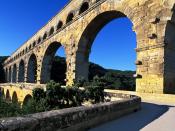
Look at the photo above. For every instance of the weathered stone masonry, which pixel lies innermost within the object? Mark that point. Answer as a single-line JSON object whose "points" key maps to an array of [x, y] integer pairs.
{"points": [[75, 28]]}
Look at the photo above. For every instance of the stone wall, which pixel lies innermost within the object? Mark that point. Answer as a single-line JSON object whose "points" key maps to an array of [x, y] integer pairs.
{"points": [[74, 119]]}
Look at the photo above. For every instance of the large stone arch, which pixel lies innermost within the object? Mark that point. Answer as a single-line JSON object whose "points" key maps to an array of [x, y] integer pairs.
{"points": [[150, 66], [21, 73], [87, 38], [32, 69], [14, 74], [169, 48], [10, 75], [47, 60], [6, 75]]}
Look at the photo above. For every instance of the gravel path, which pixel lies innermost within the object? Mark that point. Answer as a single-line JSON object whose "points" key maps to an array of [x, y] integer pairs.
{"points": [[153, 117]]}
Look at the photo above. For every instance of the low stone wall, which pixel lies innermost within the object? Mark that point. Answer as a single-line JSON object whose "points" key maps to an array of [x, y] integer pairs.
{"points": [[74, 119], [161, 98]]}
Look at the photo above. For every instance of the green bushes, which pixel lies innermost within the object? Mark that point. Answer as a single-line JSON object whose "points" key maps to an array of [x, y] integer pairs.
{"points": [[55, 97], [9, 109]]}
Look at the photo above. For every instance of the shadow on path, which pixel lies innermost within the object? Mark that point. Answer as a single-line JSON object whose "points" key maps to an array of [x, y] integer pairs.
{"points": [[135, 121]]}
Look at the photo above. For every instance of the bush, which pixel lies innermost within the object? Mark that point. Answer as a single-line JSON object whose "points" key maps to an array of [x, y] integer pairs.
{"points": [[54, 94], [9, 109], [34, 106], [55, 97], [38, 94], [94, 90]]}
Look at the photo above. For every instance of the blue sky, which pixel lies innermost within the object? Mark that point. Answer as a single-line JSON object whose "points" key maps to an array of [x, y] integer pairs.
{"points": [[20, 19]]}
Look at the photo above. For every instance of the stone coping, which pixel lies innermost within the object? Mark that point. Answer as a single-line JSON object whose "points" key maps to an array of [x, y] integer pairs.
{"points": [[76, 118], [161, 98]]}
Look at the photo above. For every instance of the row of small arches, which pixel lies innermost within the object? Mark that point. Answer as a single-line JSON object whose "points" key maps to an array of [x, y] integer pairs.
{"points": [[13, 76], [14, 98], [83, 8]]}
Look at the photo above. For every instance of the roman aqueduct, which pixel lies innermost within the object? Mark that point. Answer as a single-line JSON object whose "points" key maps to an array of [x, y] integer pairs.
{"points": [[75, 28]]}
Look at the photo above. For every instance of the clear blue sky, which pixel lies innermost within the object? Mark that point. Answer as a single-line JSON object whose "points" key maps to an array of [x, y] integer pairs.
{"points": [[20, 19]]}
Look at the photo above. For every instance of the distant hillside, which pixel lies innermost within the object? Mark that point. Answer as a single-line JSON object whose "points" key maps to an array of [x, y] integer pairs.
{"points": [[116, 79], [2, 75]]}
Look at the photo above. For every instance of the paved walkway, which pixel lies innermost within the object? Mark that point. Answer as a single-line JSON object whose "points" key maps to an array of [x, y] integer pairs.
{"points": [[153, 117]]}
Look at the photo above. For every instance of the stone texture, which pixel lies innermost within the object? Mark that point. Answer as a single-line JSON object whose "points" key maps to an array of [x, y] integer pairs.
{"points": [[153, 22]]}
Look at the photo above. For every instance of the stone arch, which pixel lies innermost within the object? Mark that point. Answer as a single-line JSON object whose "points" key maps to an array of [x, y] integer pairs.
{"points": [[14, 73], [26, 50], [70, 17], [2, 92], [34, 43], [6, 76], [14, 97], [84, 7], [47, 61], [51, 31], [10, 74], [59, 25], [39, 40], [169, 41], [30, 47], [7, 97], [21, 71], [32, 69], [87, 38], [45, 36], [27, 99]]}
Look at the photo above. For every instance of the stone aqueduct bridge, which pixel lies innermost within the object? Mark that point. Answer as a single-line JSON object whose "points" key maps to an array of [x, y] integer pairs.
{"points": [[75, 28]]}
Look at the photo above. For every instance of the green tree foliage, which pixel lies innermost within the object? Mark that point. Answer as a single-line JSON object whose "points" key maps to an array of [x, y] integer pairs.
{"points": [[2, 74]]}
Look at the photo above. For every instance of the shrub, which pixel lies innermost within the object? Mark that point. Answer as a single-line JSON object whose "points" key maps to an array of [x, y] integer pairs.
{"points": [[80, 82], [38, 94], [95, 90], [34, 106], [54, 94], [9, 109]]}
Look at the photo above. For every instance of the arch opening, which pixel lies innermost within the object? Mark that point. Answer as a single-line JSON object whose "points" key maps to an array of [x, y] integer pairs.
{"points": [[51, 31], [27, 99], [1, 92], [21, 71], [14, 74], [84, 7], [169, 55], [85, 69], [53, 66], [8, 98], [10, 75], [34, 43], [45, 36], [59, 25], [6, 75], [39, 40], [32, 69], [69, 17], [14, 97]]}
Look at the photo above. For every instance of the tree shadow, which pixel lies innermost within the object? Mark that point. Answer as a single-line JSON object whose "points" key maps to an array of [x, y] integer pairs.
{"points": [[135, 121]]}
